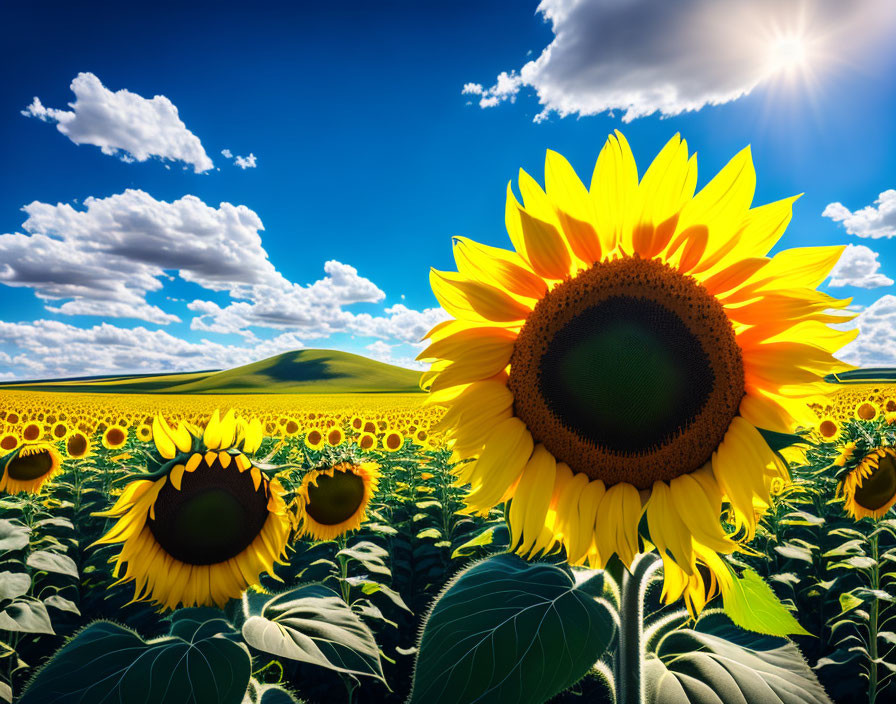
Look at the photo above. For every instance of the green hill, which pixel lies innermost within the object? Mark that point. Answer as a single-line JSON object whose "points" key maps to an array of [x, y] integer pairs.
{"points": [[300, 372]]}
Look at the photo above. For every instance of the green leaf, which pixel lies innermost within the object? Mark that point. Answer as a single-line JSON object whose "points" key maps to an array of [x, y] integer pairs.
{"points": [[106, 662], [61, 603], [752, 604], [717, 663], [429, 533], [848, 602], [794, 552], [52, 562], [13, 584], [368, 554], [482, 539], [26, 615], [370, 587], [778, 441], [13, 535], [506, 630], [313, 624]]}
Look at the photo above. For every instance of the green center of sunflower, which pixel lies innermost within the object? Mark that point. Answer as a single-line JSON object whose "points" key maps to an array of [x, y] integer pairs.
{"points": [[880, 486], [31, 466], [625, 374], [628, 372], [335, 499], [215, 515]]}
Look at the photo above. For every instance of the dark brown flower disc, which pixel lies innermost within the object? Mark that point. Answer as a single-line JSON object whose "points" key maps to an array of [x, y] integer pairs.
{"points": [[628, 372], [31, 466], [214, 516], [332, 500], [880, 486]]}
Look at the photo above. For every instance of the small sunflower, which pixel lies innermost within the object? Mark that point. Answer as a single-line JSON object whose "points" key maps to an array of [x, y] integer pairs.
{"points": [[314, 439], [59, 431], [866, 410], [31, 432], [335, 436], [333, 499], [291, 427], [828, 428], [357, 423], [115, 437], [869, 490], [27, 467], [144, 432], [9, 441], [367, 441], [392, 440], [624, 358], [78, 445], [203, 526]]}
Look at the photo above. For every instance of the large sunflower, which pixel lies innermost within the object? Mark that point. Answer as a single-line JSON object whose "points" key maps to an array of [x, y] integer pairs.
{"points": [[27, 467], [623, 359], [206, 523]]}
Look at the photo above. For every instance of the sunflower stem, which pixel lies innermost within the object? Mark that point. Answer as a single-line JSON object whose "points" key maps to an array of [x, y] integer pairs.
{"points": [[629, 683], [873, 625]]}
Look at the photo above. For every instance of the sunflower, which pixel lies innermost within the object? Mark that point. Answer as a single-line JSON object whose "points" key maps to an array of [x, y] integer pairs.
{"points": [[78, 445], [27, 468], [866, 410], [9, 441], [144, 432], [335, 436], [333, 499], [314, 439], [31, 432], [828, 428], [357, 423], [367, 441], [623, 358], [59, 431], [205, 523], [114, 437], [392, 440], [869, 490], [291, 427]]}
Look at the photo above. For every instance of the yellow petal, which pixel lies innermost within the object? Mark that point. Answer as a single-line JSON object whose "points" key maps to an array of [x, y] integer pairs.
{"points": [[212, 435], [164, 444], [194, 461], [176, 476], [224, 458], [498, 267], [575, 208], [531, 499], [472, 300], [614, 190]]}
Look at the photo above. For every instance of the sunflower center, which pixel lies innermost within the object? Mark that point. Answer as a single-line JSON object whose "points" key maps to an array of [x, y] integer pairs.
{"points": [[30, 466], [76, 445], [880, 486], [628, 372], [335, 499], [115, 436], [216, 514]]}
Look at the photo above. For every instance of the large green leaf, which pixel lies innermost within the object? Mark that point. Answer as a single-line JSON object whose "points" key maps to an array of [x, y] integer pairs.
{"points": [[26, 615], [13, 584], [52, 562], [752, 604], [106, 662], [13, 535], [506, 630], [313, 624], [719, 663]]}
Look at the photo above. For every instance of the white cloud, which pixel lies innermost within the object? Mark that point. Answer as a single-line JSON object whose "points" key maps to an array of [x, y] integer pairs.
{"points": [[858, 266], [876, 344], [124, 123], [110, 254], [384, 352], [51, 348], [873, 221], [244, 162], [647, 56]]}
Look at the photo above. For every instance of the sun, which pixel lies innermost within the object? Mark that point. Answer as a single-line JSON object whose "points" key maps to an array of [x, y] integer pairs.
{"points": [[788, 53]]}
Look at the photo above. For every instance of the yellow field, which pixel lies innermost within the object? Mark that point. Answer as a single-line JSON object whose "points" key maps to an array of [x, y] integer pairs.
{"points": [[845, 398], [59, 414]]}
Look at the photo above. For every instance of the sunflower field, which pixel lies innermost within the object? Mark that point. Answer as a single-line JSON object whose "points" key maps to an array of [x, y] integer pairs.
{"points": [[640, 473]]}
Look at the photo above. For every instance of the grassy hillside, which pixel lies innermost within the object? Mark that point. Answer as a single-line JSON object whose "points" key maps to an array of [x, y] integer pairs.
{"points": [[304, 371]]}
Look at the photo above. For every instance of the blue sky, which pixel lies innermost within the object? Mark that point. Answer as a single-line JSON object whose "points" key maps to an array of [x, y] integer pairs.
{"points": [[370, 135]]}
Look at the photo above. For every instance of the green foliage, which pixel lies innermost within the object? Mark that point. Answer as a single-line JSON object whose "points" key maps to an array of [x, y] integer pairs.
{"points": [[509, 630], [107, 662], [716, 663], [751, 604]]}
